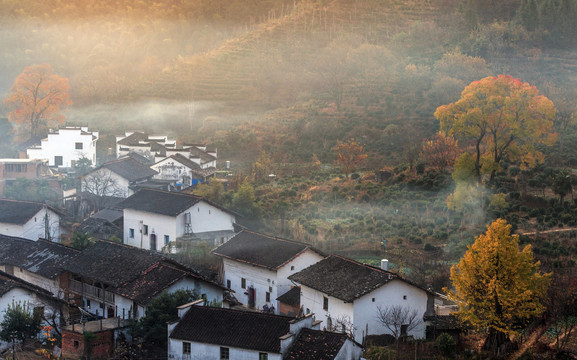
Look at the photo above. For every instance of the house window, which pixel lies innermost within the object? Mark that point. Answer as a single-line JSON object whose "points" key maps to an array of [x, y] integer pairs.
{"points": [[404, 297], [166, 239], [292, 267], [243, 283], [325, 303], [224, 353], [267, 297], [404, 329], [185, 347], [78, 146], [58, 161], [262, 356], [131, 233], [145, 229], [16, 168], [373, 299], [228, 284]]}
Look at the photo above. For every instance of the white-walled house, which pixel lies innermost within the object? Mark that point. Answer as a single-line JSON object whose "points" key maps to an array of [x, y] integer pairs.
{"points": [[37, 262], [116, 280], [143, 144], [178, 169], [115, 178], [257, 266], [29, 220], [157, 220], [209, 333], [64, 146], [346, 294]]}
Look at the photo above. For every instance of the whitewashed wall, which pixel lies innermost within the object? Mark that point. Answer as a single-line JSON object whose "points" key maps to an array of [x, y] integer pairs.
{"points": [[349, 351], [206, 217], [260, 278], [200, 351], [392, 293], [301, 262], [312, 300], [63, 143], [35, 227], [104, 182], [160, 225]]}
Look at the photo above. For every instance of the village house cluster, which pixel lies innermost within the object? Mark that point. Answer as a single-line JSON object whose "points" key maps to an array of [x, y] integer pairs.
{"points": [[271, 298]]}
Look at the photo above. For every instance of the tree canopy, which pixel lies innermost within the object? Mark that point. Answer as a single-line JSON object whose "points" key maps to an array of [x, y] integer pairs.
{"points": [[37, 97], [496, 286], [505, 118]]}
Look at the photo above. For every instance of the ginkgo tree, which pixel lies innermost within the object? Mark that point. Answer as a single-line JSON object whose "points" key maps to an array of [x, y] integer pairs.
{"points": [[505, 118], [37, 98], [497, 287]]}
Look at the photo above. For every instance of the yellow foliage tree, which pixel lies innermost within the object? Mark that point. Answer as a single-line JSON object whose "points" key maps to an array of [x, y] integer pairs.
{"points": [[497, 287], [350, 155], [505, 117], [37, 97]]}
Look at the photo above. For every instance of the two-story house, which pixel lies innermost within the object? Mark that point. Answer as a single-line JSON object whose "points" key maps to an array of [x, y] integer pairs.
{"points": [[257, 266], [29, 220], [181, 171], [65, 146], [116, 280], [346, 295], [116, 178], [12, 169], [157, 220]]}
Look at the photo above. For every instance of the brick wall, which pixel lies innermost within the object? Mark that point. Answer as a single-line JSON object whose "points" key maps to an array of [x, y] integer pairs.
{"points": [[74, 347]]}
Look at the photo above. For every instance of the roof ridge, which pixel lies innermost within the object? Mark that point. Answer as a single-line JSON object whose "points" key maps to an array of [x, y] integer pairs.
{"points": [[371, 267]]}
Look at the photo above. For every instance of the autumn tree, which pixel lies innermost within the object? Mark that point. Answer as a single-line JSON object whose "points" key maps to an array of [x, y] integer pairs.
{"points": [[36, 99], [497, 287], [505, 118], [350, 155], [441, 151]]}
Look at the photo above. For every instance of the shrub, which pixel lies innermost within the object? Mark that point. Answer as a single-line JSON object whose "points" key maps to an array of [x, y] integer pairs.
{"points": [[446, 345]]}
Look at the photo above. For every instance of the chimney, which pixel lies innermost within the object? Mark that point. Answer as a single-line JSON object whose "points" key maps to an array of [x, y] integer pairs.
{"points": [[385, 264]]}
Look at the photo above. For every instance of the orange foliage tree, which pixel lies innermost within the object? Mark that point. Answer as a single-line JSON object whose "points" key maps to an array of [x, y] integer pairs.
{"points": [[505, 117], [350, 155], [441, 151], [36, 99]]}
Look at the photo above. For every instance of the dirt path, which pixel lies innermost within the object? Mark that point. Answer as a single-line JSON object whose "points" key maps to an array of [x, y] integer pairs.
{"points": [[535, 335], [547, 231]]}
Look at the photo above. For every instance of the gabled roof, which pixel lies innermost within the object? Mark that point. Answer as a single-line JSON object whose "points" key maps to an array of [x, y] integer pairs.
{"points": [[291, 297], [129, 168], [344, 278], [232, 328], [183, 160], [140, 158], [133, 139], [99, 228], [203, 155], [152, 282], [20, 212], [164, 202], [316, 345], [261, 250], [41, 257], [111, 215]]}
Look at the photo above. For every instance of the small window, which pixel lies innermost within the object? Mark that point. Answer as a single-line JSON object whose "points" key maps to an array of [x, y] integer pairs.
{"points": [[76, 344], [325, 303], [131, 233], [185, 347], [145, 229], [404, 297], [224, 353], [243, 283], [292, 267], [58, 161], [78, 146], [373, 299], [267, 296], [166, 239], [262, 356], [208, 212], [228, 284]]}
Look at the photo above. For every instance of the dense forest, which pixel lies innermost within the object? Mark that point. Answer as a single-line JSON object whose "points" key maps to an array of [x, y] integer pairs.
{"points": [[275, 85]]}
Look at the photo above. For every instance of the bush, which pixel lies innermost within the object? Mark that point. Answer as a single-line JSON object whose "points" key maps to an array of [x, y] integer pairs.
{"points": [[446, 345]]}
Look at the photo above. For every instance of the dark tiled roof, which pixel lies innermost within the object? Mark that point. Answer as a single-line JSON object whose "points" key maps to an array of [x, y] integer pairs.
{"points": [[129, 168], [152, 282], [232, 328], [99, 228], [133, 139], [343, 278], [18, 212], [111, 215], [204, 156], [316, 345], [141, 159], [112, 263], [9, 282], [160, 202], [261, 250], [291, 297], [185, 161]]}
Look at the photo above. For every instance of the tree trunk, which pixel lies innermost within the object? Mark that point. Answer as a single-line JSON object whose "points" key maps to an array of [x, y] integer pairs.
{"points": [[497, 343]]}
